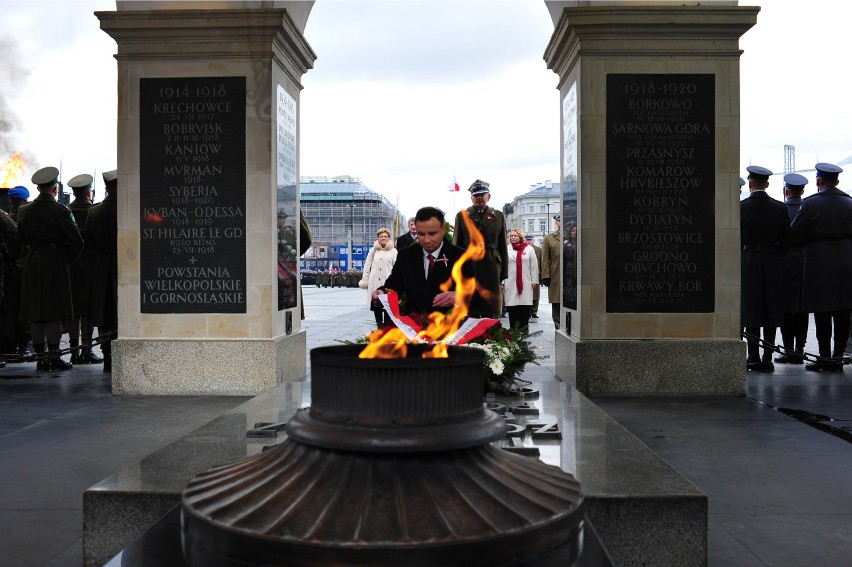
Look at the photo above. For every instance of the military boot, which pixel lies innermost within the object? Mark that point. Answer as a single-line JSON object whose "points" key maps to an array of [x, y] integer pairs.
{"points": [[41, 362], [75, 351], [55, 362]]}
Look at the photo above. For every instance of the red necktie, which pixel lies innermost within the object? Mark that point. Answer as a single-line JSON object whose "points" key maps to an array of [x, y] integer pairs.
{"points": [[431, 265]]}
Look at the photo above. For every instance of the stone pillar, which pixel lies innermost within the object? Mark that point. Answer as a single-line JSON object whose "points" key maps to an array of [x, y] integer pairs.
{"points": [[650, 166], [208, 196]]}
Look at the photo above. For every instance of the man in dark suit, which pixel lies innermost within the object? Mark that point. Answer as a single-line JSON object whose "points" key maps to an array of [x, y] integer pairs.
{"points": [[493, 268], [794, 331], [53, 241], [765, 236], [824, 225], [420, 270], [407, 239]]}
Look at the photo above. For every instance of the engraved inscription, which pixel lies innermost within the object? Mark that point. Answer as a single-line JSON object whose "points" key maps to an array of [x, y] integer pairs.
{"points": [[660, 193], [193, 195]]}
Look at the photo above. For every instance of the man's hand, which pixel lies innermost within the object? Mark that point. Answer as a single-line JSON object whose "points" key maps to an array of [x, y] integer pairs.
{"points": [[376, 295], [445, 299], [545, 282]]}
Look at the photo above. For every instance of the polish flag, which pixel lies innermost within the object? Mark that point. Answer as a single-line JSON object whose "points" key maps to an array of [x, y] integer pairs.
{"points": [[455, 185]]}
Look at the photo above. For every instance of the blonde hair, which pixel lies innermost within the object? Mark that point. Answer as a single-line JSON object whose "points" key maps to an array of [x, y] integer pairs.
{"points": [[519, 231], [381, 230]]}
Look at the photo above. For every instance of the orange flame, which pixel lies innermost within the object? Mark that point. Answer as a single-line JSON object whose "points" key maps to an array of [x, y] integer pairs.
{"points": [[393, 343], [11, 169]]}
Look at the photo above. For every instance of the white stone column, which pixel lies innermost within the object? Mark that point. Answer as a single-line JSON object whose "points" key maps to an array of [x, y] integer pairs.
{"points": [[635, 77], [250, 345]]}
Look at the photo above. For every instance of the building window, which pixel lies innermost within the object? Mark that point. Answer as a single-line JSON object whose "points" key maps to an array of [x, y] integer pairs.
{"points": [[531, 225], [531, 209], [542, 225], [542, 208]]}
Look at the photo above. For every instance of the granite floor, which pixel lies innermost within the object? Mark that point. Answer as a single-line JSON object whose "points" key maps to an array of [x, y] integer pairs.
{"points": [[778, 487]]}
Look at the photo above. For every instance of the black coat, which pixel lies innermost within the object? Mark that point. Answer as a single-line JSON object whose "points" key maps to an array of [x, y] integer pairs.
{"points": [[793, 265], [80, 267], [53, 241], [102, 250], [404, 241], [824, 225], [408, 277], [765, 236]]}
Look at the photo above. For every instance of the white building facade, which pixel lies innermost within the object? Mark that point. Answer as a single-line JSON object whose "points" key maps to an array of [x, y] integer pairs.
{"points": [[533, 211]]}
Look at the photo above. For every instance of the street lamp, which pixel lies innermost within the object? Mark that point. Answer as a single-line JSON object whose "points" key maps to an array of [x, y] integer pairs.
{"points": [[548, 219]]}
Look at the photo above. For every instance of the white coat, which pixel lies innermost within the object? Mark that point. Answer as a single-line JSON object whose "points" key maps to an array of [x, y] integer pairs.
{"points": [[529, 271], [378, 266]]}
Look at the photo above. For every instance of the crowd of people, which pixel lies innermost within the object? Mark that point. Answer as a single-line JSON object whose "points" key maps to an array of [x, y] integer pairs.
{"points": [[796, 261], [59, 272]]}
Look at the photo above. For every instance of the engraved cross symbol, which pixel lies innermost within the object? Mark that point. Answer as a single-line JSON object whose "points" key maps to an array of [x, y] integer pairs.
{"points": [[192, 260]]}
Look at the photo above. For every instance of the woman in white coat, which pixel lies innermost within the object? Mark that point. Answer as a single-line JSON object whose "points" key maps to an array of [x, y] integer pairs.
{"points": [[377, 268], [523, 277]]}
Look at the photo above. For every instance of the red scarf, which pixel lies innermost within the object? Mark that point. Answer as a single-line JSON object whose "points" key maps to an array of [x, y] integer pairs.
{"points": [[519, 272]]}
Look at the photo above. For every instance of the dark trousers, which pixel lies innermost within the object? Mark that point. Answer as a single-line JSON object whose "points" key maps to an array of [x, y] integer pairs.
{"points": [[381, 317], [753, 345], [555, 313], [823, 323], [519, 316], [794, 331]]}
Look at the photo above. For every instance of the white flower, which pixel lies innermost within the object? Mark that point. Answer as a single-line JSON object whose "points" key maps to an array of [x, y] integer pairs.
{"points": [[496, 367]]}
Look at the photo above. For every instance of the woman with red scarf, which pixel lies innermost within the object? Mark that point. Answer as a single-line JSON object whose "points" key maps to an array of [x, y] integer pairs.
{"points": [[523, 277]]}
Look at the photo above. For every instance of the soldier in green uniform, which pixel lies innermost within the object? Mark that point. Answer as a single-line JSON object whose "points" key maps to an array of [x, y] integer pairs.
{"points": [[53, 241], [102, 249], [551, 268], [493, 268], [80, 330]]}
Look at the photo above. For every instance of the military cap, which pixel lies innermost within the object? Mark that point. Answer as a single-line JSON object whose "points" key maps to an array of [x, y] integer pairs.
{"points": [[82, 181], [758, 173], [110, 176], [742, 181], [19, 192], [478, 187], [795, 180], [557, 217], [529, 237], [46, 176], [828, 170]]}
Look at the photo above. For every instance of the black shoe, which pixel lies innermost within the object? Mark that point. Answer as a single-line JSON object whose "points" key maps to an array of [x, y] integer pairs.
{"points": [[534, 316], [824, 366], [784, 359], [88, 358], [752, 363], [41, 365], [765, 366], [57, 365]]}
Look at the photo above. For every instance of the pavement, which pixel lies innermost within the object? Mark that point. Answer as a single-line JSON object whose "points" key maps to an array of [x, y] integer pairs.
{"points": [[775, 464]]}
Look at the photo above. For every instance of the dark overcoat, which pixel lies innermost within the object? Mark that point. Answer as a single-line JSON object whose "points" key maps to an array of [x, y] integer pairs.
{"points": [[537, 289], [102, 249], [404, 241], [493, 268], [824, 225], [793, 265], [408, 277], [80, 266], [765, 237], [551, 262], [53, 241]]}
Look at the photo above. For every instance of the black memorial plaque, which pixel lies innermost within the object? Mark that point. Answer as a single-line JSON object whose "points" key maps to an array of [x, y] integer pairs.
{"points": [[193, 195], [660, 178]]}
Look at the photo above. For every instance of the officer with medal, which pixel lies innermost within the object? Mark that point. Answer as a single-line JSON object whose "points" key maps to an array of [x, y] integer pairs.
{"points": [[824, 225], [52, 241], [765, 236], [80, 330], [493, 268]]}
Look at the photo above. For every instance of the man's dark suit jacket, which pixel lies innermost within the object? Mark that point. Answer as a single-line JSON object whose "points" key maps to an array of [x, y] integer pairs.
{"points": [[408, 278], [405, 240]]}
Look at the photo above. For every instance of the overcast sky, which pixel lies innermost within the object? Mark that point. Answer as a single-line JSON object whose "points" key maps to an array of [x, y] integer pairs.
{"points": [[406, 93]]}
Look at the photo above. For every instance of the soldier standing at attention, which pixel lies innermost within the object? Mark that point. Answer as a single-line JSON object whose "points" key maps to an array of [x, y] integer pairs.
{"points": [[765, 236], [53, 241], [794, 331], [493, 268], [80, 330], [102, 248], [551, 268], [824, 225]]}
